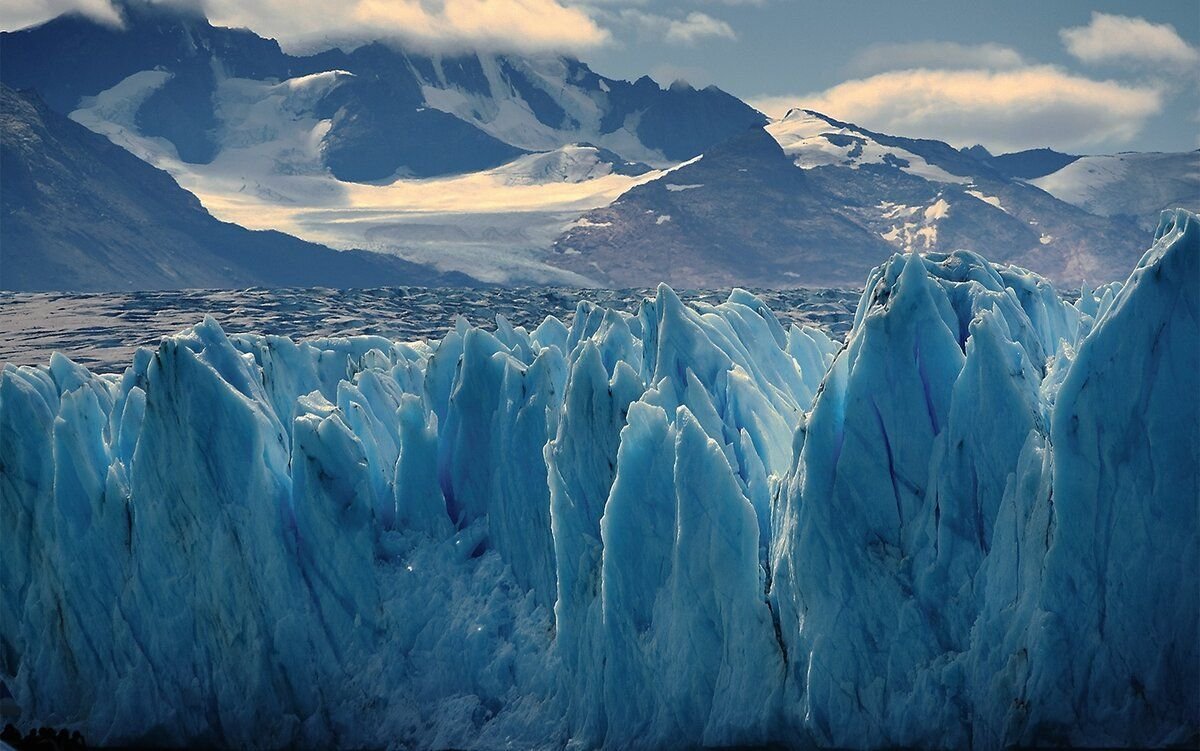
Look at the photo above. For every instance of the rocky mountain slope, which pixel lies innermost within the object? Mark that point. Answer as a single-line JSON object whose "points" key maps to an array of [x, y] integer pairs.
{"points": [[813, 200], [741, 214]]}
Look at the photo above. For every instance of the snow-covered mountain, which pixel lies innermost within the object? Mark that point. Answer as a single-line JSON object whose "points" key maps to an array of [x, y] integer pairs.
{"points": [[812, 140], [817, 201], [80, 213], [538, 170], [1131, 186], [972, 524]]}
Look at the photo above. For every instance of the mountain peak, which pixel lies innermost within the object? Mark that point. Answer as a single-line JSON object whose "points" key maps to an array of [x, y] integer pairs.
{"points": [[1029, 164], [754, 143], [978, 151]]}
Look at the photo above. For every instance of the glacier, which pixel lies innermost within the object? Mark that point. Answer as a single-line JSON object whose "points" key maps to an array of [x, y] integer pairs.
{"points": [[976, 521]]}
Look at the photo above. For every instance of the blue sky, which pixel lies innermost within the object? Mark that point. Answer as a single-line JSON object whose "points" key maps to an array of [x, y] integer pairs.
{"points": [[1087, 77], [790, 50]]}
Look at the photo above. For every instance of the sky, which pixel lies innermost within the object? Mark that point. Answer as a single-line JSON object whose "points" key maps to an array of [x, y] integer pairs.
{"points": [[1085, 77]]}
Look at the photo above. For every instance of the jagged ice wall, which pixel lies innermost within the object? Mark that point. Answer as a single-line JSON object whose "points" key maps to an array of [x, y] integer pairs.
{"points": [[975, 522]]}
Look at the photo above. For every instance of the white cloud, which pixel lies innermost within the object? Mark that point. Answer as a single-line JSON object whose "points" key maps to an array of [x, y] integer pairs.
{"points": [[667, 73], [1110, 38], [878, 58], [776, 105], [687, 30], [697, 26], [1004, 110], [17, 14], [527, 25]]}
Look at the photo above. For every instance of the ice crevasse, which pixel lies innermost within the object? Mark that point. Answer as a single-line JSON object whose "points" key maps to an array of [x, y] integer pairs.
{"points": [[974, 522]]}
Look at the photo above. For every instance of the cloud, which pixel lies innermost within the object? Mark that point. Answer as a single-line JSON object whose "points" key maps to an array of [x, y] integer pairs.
{"points": [[1109, 38], [525, 25], [879, 58], [687, 30], [697, 26], [667, 73], [17, 14], [512, 24], [1004, 110]]}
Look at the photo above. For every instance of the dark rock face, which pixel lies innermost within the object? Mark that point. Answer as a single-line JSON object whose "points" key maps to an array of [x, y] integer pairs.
{"points": [[683, 121], [1024, 165], [380, 124], [365, 143], [80, 213], [182, 112]]}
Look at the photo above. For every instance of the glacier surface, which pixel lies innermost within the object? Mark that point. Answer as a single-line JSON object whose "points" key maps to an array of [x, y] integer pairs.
{"points": [[974, 522]]}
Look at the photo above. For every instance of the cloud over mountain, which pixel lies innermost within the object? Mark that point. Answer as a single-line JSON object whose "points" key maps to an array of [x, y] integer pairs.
{"points": [[1006, 110], [522, 25]]}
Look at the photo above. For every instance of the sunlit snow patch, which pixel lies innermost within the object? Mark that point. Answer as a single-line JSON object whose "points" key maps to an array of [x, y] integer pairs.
{"points": [[812, 141]]}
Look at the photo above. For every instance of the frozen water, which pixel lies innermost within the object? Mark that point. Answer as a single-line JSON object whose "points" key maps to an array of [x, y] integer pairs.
{"points": [[974, 522], [103, 330]]}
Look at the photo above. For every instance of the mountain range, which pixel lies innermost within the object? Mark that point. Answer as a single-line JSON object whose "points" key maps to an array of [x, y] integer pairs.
{"points": [[813, 200], [503, 168]]}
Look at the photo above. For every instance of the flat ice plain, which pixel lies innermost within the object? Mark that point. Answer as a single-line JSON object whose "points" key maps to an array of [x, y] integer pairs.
{"points": [[972, 523], [103, 330]]}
